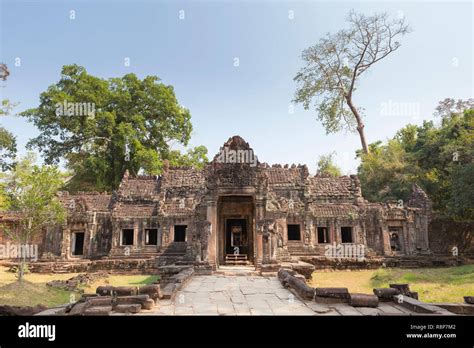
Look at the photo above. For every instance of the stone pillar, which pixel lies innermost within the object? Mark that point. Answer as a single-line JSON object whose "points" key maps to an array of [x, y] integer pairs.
{"points": [[92, 228], [387, 249], [259, 244], [65, 243], [308, 231], [116, 237], [266, 246], [424, 232], [407, 248], [259, 215], [212, 246], [165, 234], [136, 228], [332, 232]]}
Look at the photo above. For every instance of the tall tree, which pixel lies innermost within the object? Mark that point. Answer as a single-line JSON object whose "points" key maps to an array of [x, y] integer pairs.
{"points": [[31, 190], [335, 64], [104, 127]]}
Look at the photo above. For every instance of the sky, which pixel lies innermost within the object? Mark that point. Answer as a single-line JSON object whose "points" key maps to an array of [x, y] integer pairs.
{"points": [[232, 64]]}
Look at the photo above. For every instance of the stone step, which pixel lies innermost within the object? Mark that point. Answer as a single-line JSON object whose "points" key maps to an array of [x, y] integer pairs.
{"points": [[236, 270], [230, 262], [298, 248], [236, 257]]}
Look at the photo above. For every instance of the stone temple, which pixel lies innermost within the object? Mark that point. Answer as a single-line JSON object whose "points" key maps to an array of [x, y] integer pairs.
{"points": [[234, 211]]}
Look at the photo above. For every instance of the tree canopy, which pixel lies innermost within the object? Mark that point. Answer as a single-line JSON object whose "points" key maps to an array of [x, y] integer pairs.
{"points": [[327, 167], [438, 157], [7, 139], [103, 127]]}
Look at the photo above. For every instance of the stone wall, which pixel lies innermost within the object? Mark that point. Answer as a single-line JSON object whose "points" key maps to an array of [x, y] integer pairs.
{"points": [[445, 234]]}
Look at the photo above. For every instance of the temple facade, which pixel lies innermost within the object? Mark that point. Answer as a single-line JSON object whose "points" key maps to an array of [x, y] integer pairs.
{"points": [[236, 210]]}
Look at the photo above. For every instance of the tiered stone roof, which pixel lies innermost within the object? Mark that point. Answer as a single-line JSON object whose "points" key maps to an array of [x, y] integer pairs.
{"points": [[341, 187], [184, 177], [179, 189], [334, 210], [284, 176], [92, 201], [142, 187], [131, 210]]}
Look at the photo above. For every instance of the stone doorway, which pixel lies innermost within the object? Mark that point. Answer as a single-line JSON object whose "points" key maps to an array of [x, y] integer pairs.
{"points": [[78, 243], [236, 224], [396, 239]]}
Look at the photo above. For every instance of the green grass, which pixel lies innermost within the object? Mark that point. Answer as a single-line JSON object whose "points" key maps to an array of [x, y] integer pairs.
{"points": [[432, 284], [32, 290], [26, 293]]}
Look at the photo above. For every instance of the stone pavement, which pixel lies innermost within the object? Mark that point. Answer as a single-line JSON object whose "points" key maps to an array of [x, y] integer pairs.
{"points": [[233, 295], [253, 295]]}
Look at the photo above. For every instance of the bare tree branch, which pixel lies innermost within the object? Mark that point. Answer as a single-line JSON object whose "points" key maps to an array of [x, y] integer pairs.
{"points": [[334, 65]]}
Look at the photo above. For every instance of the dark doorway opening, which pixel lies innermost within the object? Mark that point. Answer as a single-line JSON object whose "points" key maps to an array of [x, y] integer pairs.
{"points": [[236, 238], [323, 235], [127, 236], [395, 238], [78, 247], [180, 233], [151, 236], [294, 232], [346, 234]]}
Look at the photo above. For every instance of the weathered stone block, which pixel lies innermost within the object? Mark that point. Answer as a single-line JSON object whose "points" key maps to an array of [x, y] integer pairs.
{"points": [[99, 301], [128, 308], [386, 294], [143, 300], [404, 289], [154, 291], [469, 299], [341, 293], [363, 300], [99, 310], [417, 306], [78, 309], [306, 269], [117, 290]]}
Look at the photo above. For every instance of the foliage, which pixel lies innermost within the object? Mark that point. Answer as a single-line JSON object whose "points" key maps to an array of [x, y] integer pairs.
{"points": [[7, 140], [31, 190], [440, 158], [196, 157], [104, 127], [326, 166], [7, 149]]}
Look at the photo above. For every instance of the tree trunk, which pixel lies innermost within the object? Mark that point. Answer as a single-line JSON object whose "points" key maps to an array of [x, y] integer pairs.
{"points": [[21, 271], [360, 125], [360, 129], [22, 266]]}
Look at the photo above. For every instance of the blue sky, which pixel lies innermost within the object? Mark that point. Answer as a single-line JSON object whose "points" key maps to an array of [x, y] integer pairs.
{"points": [[197, 54]]}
